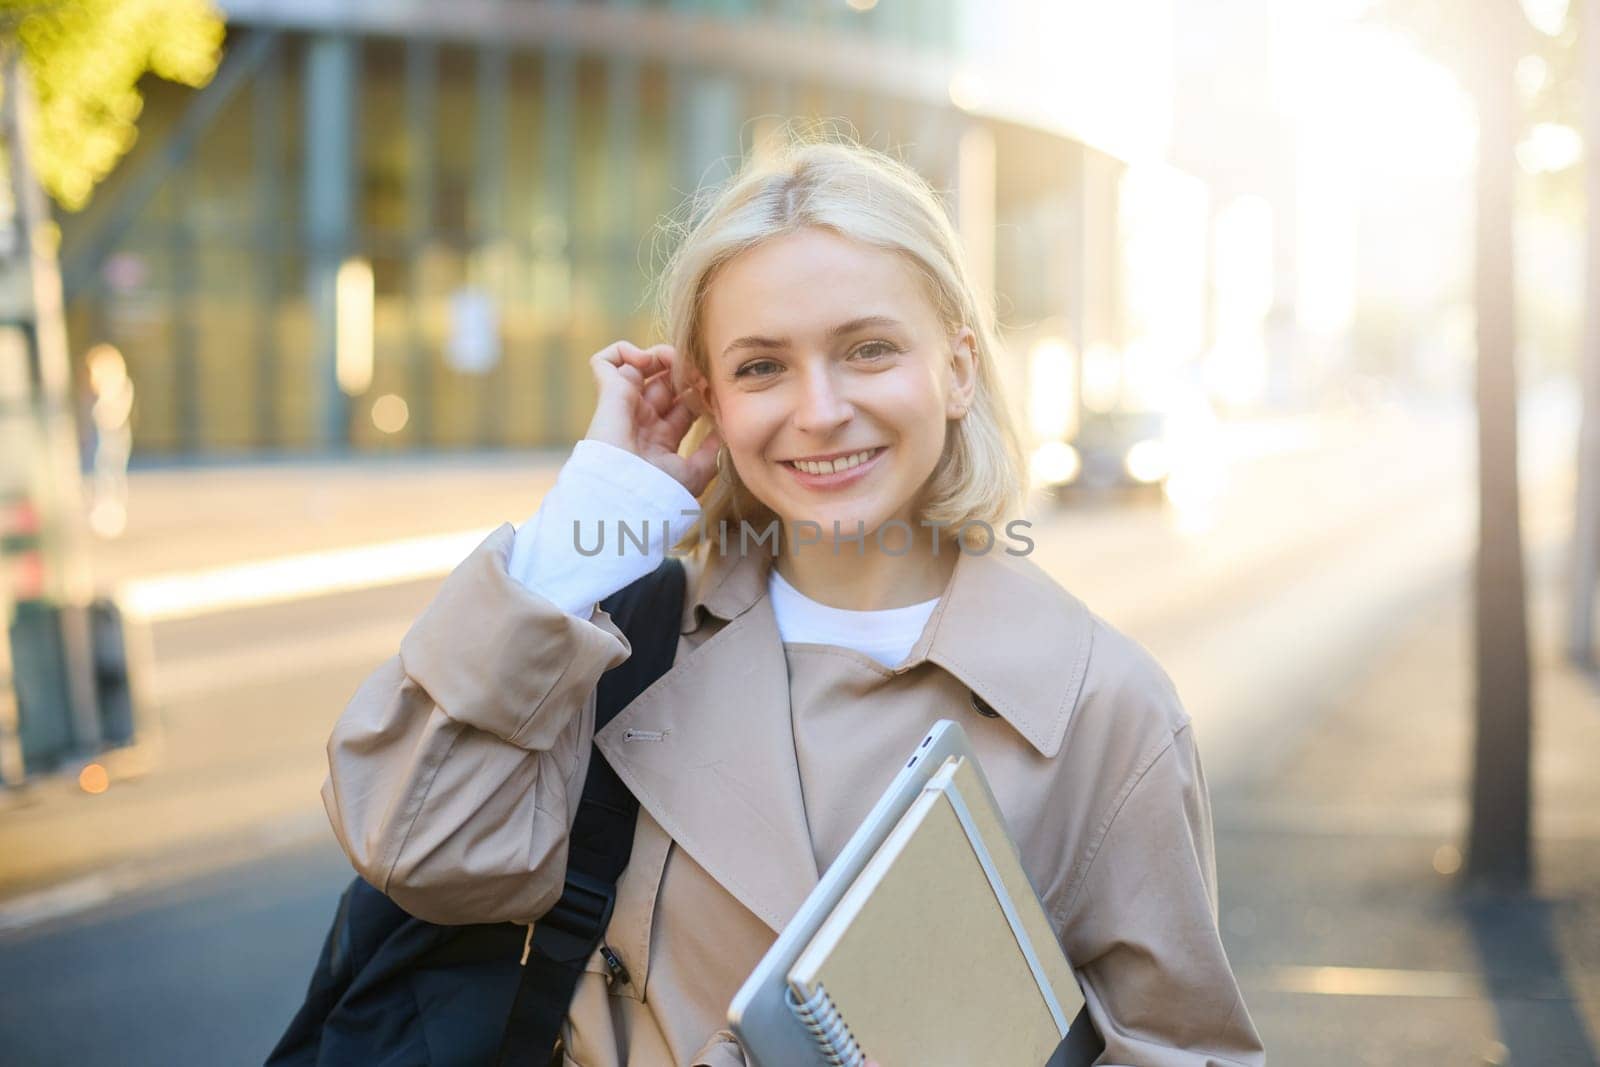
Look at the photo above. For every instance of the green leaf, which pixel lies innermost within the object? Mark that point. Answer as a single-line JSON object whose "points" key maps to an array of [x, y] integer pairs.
{"points": [[85, 58]]}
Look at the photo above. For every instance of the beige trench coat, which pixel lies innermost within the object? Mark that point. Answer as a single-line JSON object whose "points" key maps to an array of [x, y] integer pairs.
{"points": [[456, 768]]}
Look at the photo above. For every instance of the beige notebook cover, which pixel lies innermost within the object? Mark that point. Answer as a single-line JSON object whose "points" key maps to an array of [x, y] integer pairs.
{"points": [[919, 962]]}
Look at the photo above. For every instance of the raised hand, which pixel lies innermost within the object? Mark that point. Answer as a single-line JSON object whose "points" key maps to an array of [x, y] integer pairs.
{"points": [[639, 412]]}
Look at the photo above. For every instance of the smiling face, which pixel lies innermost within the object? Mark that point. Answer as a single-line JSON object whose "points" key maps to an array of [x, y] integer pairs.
{"points": [[832, 380]]}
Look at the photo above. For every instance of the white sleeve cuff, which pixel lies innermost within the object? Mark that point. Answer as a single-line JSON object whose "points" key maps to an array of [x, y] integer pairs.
{"points": [[583, 544]]}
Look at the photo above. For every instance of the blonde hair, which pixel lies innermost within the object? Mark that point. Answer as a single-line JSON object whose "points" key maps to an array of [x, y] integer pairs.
{"points": [[859, 193]]}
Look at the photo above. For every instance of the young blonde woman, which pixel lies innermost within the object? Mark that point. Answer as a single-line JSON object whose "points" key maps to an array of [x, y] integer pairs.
{"points": [[830, 359]]}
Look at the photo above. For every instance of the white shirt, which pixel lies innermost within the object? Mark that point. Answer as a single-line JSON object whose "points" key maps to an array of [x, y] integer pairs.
{"points": [[573, 552], [886, 635]]}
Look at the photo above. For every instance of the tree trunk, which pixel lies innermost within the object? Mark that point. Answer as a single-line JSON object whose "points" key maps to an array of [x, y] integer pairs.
{"points": [[1498, 845], [1586, 523]]}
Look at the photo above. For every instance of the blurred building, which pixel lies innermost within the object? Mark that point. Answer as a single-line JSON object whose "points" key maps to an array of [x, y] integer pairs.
{"points": [[405, 226]]}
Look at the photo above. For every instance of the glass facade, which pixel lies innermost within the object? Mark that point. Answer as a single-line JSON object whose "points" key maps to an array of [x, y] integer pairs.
{"points": [[502, 197]]}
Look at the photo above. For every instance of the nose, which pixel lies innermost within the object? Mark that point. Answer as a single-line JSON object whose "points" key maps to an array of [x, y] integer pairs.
{"points": [[821, 408]]}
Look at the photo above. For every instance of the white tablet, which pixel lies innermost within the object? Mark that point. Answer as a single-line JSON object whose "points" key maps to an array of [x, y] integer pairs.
{"points": [[760, 1014]]}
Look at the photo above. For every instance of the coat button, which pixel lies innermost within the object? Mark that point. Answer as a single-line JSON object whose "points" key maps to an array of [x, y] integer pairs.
{"points": [[981, 706]]}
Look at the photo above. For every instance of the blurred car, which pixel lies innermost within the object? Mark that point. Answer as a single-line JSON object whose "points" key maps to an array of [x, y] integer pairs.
{"points": [[1121, 449]]}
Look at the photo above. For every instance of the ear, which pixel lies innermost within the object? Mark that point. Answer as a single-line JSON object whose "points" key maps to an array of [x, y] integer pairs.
{"points": [[963, 372], [699, 396]]}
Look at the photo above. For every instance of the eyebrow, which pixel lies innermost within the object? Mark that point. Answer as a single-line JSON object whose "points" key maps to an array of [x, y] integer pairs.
{"points": [[866, 322]]}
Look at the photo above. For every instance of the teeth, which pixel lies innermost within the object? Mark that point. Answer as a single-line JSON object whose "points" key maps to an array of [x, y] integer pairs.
{"points": [[844, 463]]}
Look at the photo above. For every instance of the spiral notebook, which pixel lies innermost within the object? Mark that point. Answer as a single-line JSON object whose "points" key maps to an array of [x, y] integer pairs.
{"points": [[939, 952]]}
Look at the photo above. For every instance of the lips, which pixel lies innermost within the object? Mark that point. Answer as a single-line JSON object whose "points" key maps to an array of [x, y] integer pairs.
{"points": [[835, 465], [837, 473]]}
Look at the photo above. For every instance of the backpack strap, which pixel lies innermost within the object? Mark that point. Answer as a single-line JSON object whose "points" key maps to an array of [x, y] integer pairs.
{"points": [[601, 840], [1082, 1045]]}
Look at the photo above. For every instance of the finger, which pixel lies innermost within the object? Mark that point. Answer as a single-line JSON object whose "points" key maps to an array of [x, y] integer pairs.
{"points": [[614, 353], [658, 394], [665, 431], [670, 426], [647, 362], [632, 376], [666, 357], [607, 363], [624, 355], [680, 416], [617, 390], [668, 432], [614, 418], [702, 462]]}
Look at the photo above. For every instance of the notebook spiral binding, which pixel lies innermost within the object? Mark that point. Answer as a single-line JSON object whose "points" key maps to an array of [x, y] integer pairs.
{"points": [[819, 1016]]}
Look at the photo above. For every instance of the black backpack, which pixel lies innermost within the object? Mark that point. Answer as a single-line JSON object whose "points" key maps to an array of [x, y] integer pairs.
{"points": [[392, 990]]}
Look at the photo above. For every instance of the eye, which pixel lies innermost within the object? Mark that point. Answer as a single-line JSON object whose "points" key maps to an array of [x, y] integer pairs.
{"points": [[875, 350], [757, 368]]}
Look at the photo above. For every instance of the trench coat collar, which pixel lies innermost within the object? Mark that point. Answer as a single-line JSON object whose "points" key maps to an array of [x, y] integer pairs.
{"points": [[1003, 627], [715, 763], [708, 750]]}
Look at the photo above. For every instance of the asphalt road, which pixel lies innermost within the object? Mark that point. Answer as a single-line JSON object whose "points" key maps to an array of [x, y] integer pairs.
{"points": [[204, 973], [1261, 596]]}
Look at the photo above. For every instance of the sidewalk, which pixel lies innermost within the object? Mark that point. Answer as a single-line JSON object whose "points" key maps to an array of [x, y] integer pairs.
{"points": [[192, 518], [1338, 898]]}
